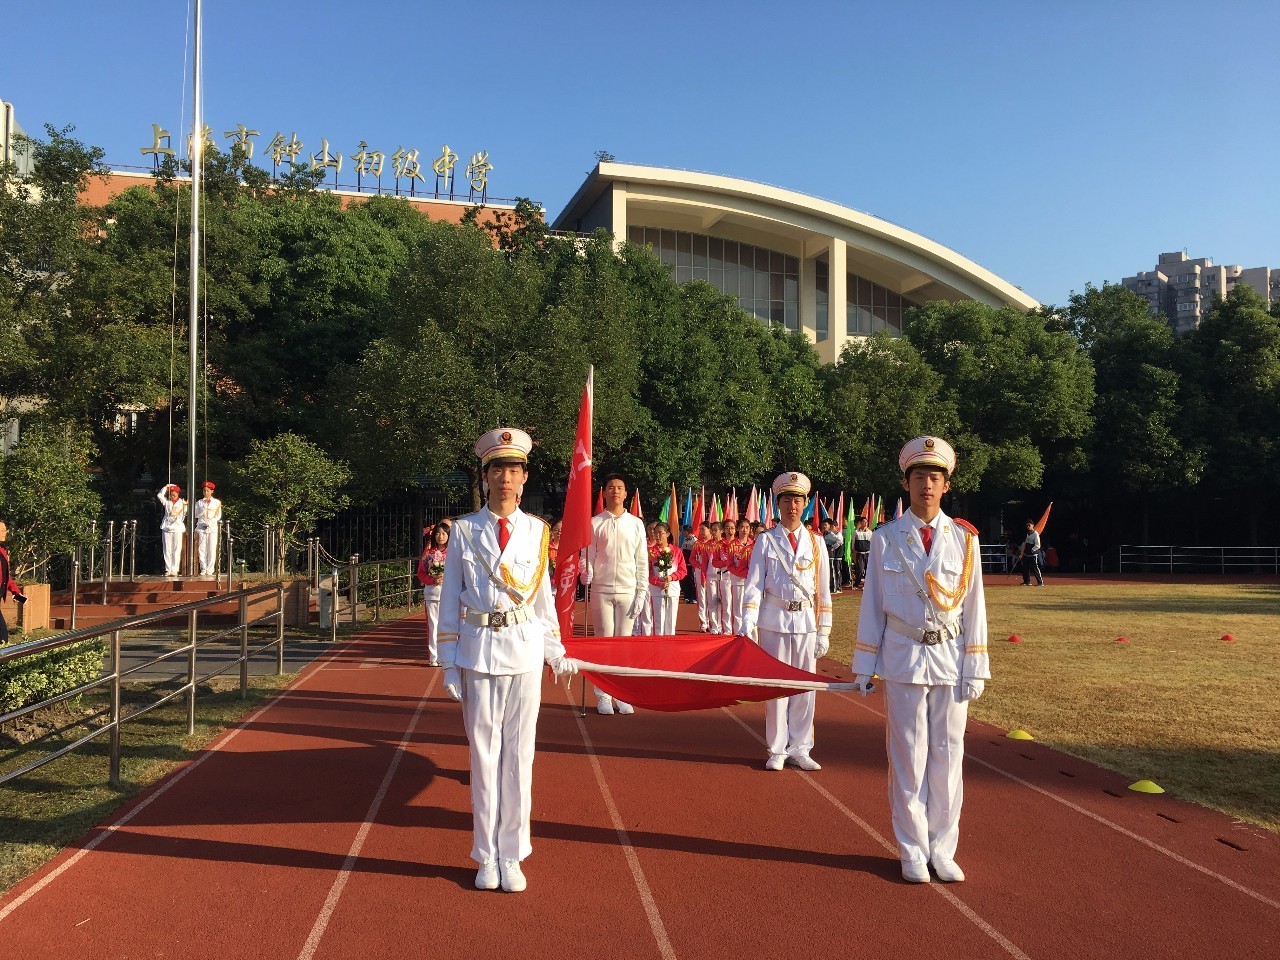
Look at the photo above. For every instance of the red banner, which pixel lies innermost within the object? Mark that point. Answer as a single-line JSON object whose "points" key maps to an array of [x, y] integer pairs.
{"points": [[575, 534], [712, 654]]}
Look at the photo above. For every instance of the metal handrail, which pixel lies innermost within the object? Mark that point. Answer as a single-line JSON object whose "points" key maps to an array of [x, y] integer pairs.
{"points": [[115, 676], [1173, 558]]}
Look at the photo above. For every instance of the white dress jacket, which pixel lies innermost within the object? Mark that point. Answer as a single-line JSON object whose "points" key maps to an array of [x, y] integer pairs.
{"points": [[897, 604], [467, 585]]}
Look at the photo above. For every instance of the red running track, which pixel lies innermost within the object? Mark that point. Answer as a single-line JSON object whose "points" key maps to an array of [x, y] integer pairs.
{"points": [[334, 823]]}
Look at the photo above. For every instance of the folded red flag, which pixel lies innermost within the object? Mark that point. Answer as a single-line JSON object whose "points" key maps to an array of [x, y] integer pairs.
{"points": [[711, 654]]}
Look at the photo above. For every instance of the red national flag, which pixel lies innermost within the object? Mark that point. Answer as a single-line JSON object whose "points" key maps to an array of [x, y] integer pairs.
{"points": [[575, 534], [715, 655]]}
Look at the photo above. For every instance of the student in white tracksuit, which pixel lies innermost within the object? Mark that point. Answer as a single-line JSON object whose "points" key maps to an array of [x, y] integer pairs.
{"points": [[786, 602], [617, 572], [207, 513], [497, 627], [923, 629], [173, 525]]}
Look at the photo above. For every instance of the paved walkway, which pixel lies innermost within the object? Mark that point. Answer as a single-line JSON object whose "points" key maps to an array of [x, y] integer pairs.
{"points": [[334, 823]]}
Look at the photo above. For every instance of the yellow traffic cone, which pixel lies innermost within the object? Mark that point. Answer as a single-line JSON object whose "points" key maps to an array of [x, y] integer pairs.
{"points": [[1146, 786]]}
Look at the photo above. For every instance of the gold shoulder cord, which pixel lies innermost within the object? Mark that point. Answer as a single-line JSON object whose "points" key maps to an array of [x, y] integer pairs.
{"points": [[953, 598], [813, 543], [525, 588]]}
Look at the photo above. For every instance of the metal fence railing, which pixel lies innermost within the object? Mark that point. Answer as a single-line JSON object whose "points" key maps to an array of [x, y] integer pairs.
{"points": [[348, 588], [112, 717], [1174, 559]]}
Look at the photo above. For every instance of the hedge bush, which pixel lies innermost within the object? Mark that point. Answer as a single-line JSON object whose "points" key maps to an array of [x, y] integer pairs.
{"points": [[41, 676]]}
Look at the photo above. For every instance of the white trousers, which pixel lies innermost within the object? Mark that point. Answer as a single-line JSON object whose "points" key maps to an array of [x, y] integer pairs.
{"points": [[731, 598], [788, 721], [207, 545], [171, 546], [431, 600], [713, 589], [609, 618], [700, 591], [665, 601], [501, 717], [926, 755]]}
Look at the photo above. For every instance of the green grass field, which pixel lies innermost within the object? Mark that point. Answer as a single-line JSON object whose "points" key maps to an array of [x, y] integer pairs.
{"points": [[1175, 704]]}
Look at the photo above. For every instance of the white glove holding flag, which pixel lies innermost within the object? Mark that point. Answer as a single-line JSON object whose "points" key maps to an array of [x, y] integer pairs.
{"points": [[971, 689], [453, 684], [823, 645], [862, 684], [563, 666], [636, 606]]}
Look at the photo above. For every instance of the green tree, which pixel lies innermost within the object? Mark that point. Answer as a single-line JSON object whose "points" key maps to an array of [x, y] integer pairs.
{"points": [[880, 394], [1230, 367], [1021, 386], [45, 494], [289, 482]]}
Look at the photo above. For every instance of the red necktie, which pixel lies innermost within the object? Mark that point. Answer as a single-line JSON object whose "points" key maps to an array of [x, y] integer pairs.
{"points": [[504, 533], [926, 537], [795, 544]]}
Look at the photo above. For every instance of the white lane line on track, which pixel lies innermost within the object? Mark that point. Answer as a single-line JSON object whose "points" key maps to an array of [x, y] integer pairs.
{"points": [[344, 872], [1098, 818], [938, 888], [60, 869], [637, 872]]}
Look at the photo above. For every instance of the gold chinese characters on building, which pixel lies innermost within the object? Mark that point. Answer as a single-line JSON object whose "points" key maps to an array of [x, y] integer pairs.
{"points": [[404, 162]]}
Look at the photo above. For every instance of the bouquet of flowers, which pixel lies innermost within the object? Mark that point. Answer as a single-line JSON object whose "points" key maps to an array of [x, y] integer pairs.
{"points": [[435, 564], [663, 562]]}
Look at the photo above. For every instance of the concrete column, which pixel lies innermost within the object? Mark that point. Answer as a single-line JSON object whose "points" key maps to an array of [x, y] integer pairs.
{"points": [[837, 296], [619, 216], [808, 296]]}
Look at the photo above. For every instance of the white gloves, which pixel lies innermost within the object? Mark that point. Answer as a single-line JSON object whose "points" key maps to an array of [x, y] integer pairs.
{"points": [[636, 606], [453, 683], [862, 684], [585, 576], [751, 631], [563, 666], [823, 645], [971, 689]]}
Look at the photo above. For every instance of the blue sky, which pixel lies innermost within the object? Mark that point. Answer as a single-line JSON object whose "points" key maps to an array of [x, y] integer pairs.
{"points": [[1055, 143]]}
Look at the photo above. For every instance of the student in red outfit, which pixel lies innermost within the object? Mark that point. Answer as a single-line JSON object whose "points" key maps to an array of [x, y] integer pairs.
{"points": [[431, 574], [716, 576], [8, 585], [698, 559], [667, 568]]}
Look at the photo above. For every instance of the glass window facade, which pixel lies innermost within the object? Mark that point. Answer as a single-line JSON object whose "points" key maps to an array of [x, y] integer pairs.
{"points": [[870, 308], [766, 282]]}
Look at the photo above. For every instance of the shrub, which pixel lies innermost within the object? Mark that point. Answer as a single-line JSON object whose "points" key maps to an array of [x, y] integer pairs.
{"points": [[42, 676]]}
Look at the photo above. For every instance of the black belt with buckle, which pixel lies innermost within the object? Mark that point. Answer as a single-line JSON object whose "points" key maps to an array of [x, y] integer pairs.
{"points": [[931, 638]]}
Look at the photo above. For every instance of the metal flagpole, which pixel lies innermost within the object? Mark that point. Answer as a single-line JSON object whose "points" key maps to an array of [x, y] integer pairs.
{"points": [[194, 152]]}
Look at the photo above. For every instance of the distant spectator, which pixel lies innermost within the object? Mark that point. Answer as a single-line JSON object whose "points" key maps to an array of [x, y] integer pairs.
{"points": [[1031, 557], [7, 584]]}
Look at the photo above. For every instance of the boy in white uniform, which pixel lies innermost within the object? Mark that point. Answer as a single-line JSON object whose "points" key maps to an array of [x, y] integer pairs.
{"points": [[787, 600], [208, 517], [497, 626], [617, 571], [923, 629], [173, 525]]}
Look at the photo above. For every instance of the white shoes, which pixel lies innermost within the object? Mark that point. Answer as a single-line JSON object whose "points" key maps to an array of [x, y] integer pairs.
{"points": [[804, 762], [513, 880], [948, 871], [604, 706], [915, 871], [487, 876], [624, 708], [776, 761]]}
